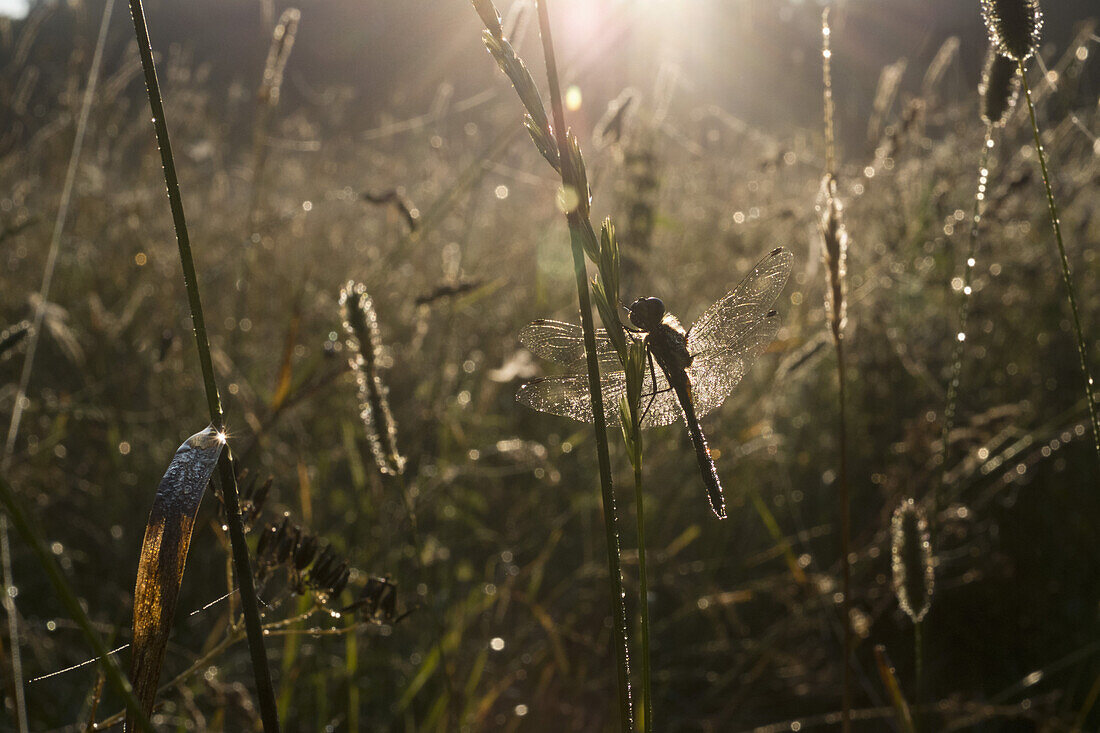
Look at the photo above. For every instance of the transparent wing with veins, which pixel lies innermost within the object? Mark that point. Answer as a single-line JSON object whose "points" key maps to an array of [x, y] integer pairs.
{"points": [[724, 343], [728, 337], [568, 395]]}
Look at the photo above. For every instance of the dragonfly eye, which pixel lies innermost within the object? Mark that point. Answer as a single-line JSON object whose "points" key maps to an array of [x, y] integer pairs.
{"points": [[646, 313]]}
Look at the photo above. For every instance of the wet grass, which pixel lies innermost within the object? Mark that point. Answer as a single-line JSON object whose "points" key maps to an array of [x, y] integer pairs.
{"points": [[508, 579]]}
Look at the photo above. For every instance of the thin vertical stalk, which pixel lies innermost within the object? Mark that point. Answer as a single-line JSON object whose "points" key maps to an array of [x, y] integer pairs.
{"points": [[827, 80], [1082, 349], [28, 362], [918, 672], [845, 539], [646, 707], [964, 316], [226, 469], [614, 564], [842, 422], [351, 667]]}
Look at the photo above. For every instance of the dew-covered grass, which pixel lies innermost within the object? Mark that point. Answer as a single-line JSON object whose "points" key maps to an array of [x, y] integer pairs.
{"points": [[492, 534]]}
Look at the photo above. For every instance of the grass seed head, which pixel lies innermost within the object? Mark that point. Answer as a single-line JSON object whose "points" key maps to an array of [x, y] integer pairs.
{"points": [[364, 353], [490, 17], [1014, 26], [911, 556], [998, 88], [834, 240], [282, 41]]}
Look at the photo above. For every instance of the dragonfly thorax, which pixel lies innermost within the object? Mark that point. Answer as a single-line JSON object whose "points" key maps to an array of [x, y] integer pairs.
{"points": [[647, 313]]}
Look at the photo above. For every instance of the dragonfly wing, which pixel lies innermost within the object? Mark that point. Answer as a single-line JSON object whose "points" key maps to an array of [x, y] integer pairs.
{"points": [[714, 374], [564, 343], [732, 319], [658, 401], [568, 396]]}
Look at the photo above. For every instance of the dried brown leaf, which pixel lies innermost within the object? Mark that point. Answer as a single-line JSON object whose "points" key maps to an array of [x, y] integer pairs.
{"points": [[164, 555]]}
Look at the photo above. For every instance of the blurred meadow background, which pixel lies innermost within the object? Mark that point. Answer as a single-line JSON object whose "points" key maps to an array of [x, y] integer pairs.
{"points": [[383, 146]]}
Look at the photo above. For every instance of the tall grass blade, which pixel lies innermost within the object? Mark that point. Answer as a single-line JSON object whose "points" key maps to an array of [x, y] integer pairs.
{"points": [[893, 689], [579, 236], [34, 331], [226, 471], [164, 557], [1067, 276]]}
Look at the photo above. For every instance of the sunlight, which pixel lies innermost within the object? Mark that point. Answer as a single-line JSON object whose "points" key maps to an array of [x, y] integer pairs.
{"points": [[14, 9]]}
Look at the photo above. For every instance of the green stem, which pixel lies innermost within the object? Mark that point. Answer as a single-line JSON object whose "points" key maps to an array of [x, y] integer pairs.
{"points": [[72, 605], [918, 664], [646, 708], [964, 316], [352, 668], [226, 470], [1082, 349], [845, 540], [576, 240]]}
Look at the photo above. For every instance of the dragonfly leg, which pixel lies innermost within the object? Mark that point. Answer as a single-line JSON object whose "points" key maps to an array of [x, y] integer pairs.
{"points": [[653, 375]]}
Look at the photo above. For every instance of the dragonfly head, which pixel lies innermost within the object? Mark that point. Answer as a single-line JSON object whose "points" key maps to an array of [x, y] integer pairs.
{"points": [[646, 313]]}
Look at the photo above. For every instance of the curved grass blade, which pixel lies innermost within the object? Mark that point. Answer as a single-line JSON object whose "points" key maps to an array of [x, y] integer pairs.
{"points": [[164, 556], [902, 712]]}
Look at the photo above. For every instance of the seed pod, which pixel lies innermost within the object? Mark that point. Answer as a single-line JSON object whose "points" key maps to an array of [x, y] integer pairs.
{"points": [[998, 89], [365, 351], [337, 586], [387, 604], [911, 555], [288, 544], [329, 579], [266, 543], [378, 599], [305, 552], [1014, 26], [323, 564], [259, 497], [280, 535]]}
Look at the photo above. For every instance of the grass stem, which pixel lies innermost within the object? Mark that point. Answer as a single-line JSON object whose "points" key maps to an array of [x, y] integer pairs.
{"points": [[646, 708], [836, 314], [845, 539], [964, 316], [226, 470], [918, 670], [576, 238], [22, 723], [1082, 348]]}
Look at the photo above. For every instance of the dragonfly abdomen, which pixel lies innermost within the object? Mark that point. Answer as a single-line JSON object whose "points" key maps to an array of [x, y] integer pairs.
{"points": [[702, 450]]}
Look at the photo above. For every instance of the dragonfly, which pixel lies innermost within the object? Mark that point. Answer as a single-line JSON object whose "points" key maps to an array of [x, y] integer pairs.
{"points": [[695, 370]]}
